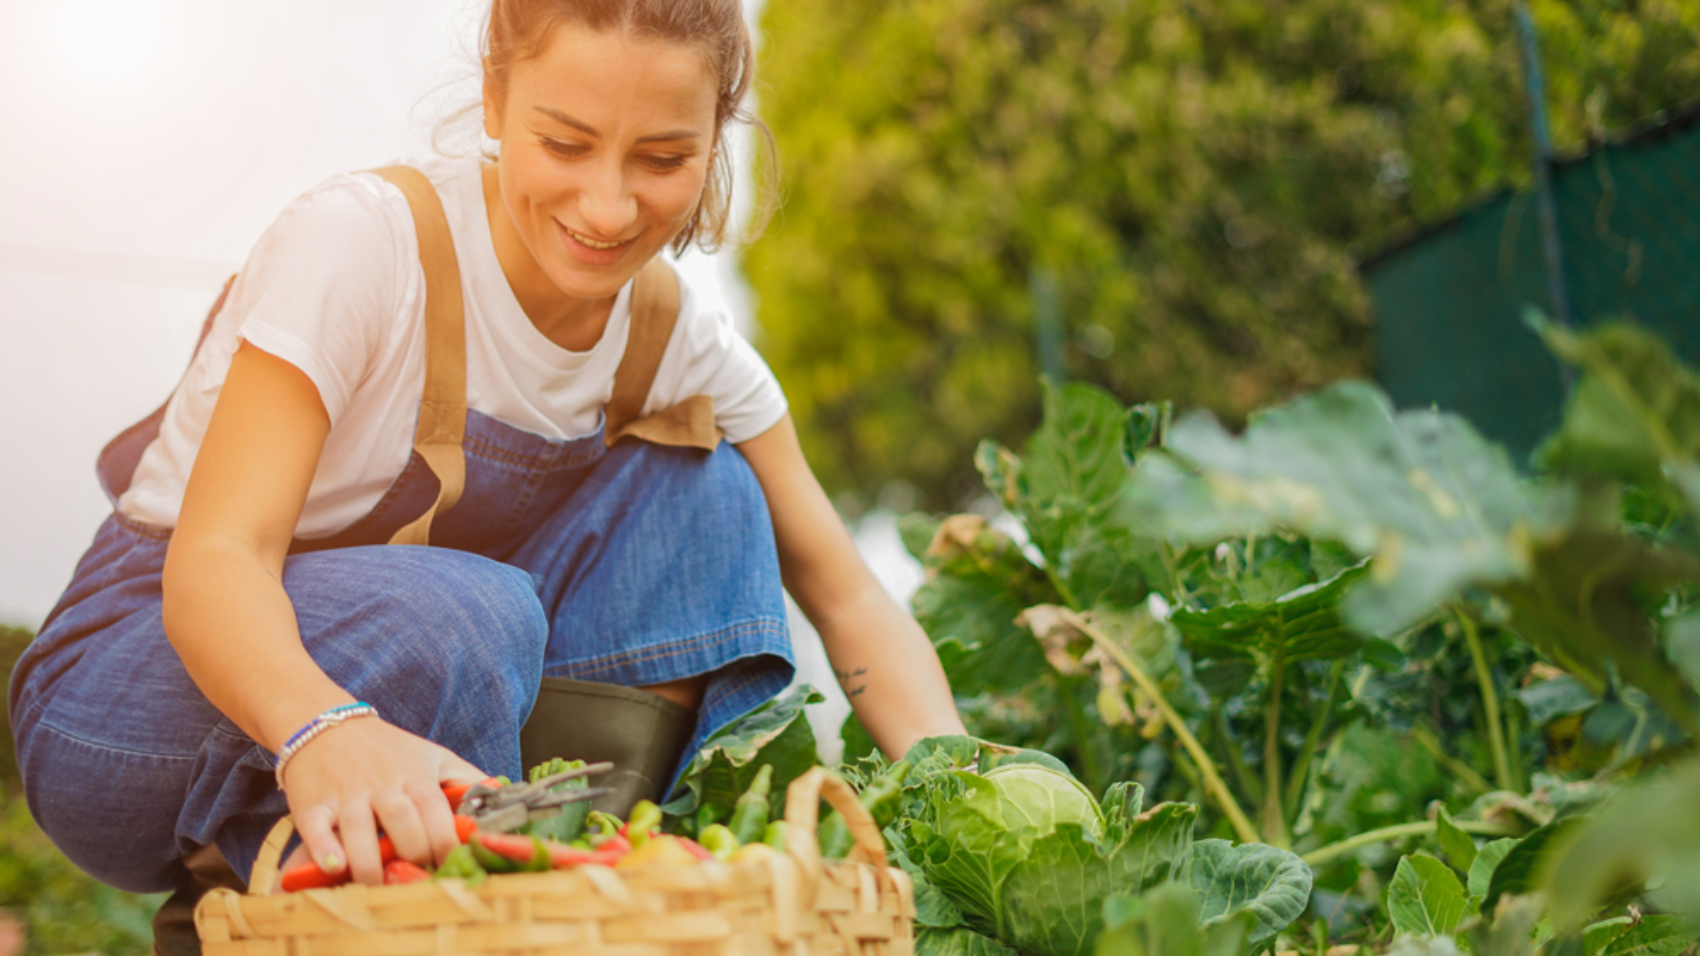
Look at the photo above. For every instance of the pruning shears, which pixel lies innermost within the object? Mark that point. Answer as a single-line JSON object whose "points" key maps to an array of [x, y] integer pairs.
{"points": [[491, 805], [498, 807]]}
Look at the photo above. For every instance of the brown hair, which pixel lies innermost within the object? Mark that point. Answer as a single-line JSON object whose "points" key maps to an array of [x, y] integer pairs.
{"points": [[519, 30]]}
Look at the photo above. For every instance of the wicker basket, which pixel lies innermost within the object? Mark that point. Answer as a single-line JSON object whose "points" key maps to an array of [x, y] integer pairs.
{"points": [[790, 903]]}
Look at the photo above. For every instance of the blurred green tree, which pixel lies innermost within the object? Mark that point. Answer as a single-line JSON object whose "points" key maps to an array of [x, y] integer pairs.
{"points": [[1192, 178]]}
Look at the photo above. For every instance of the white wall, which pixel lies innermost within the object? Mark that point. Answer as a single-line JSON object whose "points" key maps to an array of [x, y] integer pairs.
{"points": [[146, 145]]}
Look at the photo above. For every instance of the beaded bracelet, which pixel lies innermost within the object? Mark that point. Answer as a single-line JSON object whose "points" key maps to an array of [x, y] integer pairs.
{"points": [[317, 726]]}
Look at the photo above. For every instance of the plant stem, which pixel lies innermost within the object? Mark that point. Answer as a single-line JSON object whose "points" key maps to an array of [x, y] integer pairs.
{"points": [[1426, 739], [1316, 858], [1249, 784], [1301, 767], [1490, 701], [1274, 814], [1082, 732], [1212, 779]]}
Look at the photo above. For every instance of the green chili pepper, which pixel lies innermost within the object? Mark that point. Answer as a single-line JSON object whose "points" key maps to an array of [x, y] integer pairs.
{"points": [[644, 821], [749, 814], [707, 815], [719, 840], [880, 796], [539, 857], [460, 864], [605, 824], [774, 835]]}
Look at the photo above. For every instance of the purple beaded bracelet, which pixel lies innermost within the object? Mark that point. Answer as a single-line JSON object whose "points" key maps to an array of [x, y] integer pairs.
{"points": [[317, 726]]}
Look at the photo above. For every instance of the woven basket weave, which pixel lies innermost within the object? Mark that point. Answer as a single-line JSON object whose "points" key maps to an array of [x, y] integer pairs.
{"points": [[791, 903]]}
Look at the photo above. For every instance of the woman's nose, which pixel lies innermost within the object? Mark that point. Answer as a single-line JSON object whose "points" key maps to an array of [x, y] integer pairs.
{"points": [[606, 204]]}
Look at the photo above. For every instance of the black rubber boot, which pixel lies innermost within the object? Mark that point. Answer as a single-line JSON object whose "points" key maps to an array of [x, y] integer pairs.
{"points": [[641, 733], [174, 922]]}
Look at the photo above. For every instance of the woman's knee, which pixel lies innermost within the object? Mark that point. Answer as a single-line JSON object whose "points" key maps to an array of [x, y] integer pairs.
{"points": [[427, 616]]}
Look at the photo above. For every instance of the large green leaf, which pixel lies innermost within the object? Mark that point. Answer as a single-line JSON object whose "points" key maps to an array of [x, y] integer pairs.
{"points": [[958, 941], [1272, 884], [775, 733], [1487, 860], [1303, 624], [1066, 488], [1517, 874], [1434, 503], [1425, 897], [978, 581], [1635, 413], [1660, 935], [1584, 602], [1459, 847], [1650, 830], [1167, 922]]}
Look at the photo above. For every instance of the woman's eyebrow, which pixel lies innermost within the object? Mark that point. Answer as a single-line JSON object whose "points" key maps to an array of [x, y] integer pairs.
{"points": [[585, 128]]}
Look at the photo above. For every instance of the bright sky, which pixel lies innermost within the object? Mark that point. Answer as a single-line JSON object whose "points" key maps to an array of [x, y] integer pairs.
{"points": [[147, 144]]}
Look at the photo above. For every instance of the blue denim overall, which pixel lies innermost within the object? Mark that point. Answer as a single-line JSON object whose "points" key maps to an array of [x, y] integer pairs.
{"points": [[634, 564]]}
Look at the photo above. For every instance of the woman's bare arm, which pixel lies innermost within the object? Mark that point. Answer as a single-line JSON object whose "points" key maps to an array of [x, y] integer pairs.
{"points": [[883, 659], [228, 617]]}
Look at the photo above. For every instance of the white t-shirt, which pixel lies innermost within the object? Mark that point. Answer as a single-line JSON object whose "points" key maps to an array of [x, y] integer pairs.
{"points": [[334, 287]]}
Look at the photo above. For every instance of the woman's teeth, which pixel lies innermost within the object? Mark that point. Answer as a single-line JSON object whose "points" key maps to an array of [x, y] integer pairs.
{"points": [[592, 243]]}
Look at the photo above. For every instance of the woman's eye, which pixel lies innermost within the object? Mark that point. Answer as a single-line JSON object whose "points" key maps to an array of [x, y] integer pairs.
{"points": [[665, 162], [561, 148]]}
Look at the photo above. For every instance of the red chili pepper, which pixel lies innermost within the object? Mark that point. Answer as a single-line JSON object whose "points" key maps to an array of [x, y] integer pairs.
{"points": [[398, 872], [456, 792], [308, 876], [515, 847]]}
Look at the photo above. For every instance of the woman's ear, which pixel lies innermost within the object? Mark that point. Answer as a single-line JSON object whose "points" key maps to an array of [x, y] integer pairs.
{"points": [[492, 104]]}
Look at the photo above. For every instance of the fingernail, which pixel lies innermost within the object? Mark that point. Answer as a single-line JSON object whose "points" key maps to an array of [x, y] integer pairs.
{"points": [[332, 863]]}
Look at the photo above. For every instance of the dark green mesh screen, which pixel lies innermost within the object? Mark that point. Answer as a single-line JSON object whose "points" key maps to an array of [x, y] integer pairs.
{"points": [[1449, 302]]}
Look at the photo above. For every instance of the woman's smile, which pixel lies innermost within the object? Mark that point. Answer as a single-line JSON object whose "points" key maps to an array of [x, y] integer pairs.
{"points": [[592, 252]]}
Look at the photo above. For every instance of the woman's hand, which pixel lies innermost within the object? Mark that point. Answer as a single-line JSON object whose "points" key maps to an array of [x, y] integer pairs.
{"points": [[363, 775]]}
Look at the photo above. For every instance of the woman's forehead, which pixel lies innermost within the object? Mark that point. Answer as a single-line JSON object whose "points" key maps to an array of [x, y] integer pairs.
{"points": [[611, 73]]}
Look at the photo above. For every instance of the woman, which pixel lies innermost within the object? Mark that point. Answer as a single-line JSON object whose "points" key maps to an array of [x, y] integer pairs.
{"points": [[244, 598]]}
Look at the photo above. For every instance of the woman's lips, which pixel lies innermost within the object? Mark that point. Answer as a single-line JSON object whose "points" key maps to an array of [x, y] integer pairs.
{"points": [[592, 251]]}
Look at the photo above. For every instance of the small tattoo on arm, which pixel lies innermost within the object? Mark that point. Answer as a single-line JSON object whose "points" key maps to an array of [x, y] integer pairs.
{"points": [[845, 678]]}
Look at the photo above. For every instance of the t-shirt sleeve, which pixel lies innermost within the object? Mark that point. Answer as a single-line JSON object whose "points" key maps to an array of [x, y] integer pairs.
{"points": [[320, 286], [707, 356]]}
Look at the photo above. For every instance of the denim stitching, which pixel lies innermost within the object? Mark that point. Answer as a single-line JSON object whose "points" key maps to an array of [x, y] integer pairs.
{"points": [[45, 724]]}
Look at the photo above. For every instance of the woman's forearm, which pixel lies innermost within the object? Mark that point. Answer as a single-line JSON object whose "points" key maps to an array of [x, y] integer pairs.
{"points": [[230, 621], [889, 671]]}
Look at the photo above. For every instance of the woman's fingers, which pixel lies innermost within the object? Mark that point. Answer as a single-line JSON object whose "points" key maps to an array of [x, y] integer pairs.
{"points": [[317, 826], [439, 824], [359, 834], [403, 820]]}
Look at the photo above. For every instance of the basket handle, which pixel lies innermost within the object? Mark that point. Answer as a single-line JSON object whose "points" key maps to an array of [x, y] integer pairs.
{"points": [[802, 811], [263, 877]]}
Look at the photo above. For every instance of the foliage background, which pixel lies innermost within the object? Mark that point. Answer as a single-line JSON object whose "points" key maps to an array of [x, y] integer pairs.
{"points": [[1194, 178], [62, 909]]}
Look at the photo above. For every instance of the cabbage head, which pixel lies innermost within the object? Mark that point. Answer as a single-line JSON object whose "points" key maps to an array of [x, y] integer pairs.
{"points": [[1028, 855]]}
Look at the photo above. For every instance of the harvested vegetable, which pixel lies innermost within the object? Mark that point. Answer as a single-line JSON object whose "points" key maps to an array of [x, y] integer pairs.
{"points": [[660, 850], [399, 872], [749, 815], [719, 840]]}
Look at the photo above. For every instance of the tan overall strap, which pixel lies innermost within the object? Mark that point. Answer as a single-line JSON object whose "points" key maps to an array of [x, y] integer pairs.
{"points": [[442, 408], [655, 310]]}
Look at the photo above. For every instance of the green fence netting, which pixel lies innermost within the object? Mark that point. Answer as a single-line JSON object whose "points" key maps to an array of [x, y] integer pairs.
{"points": [[1449, 301]]}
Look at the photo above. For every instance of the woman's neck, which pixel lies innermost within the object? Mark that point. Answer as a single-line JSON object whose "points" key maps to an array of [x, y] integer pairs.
{"points": [[574, 324]]}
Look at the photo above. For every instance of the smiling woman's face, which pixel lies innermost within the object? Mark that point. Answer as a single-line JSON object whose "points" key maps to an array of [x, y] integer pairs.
{"points": [[605, 146]]}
